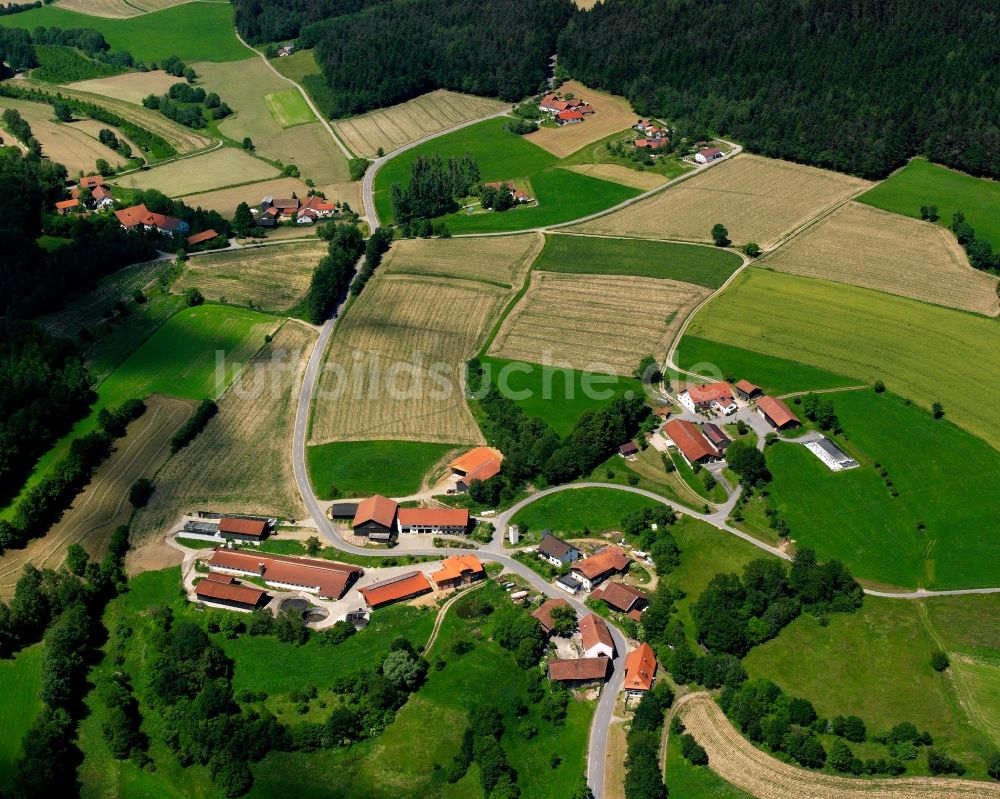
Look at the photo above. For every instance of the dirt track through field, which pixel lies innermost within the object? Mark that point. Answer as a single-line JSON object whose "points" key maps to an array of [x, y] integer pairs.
{"points": [[737, 761], [103, 505]]}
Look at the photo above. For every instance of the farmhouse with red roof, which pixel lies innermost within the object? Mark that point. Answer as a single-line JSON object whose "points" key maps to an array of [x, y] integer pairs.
{"points": [[709, 397]]}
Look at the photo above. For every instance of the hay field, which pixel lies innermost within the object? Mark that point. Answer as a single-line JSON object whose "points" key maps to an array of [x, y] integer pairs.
{"points": [[223, 167], [393, 127], [93, 129], [611, 115], [103, 505], [396, 364], [600, 323], [738, 762], [240, 462], [921, 351], [503, 260], [621, 174], [288, 108], [757, 199], [110, 9], [130, 87], [268, 278], [876, 249]]}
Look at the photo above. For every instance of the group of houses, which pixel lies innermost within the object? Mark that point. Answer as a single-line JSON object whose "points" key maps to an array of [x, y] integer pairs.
{"points": [[271, 211], [380, 519], [565, 111], [139, 217], [585, 573], [90, 194], [652, 136]]}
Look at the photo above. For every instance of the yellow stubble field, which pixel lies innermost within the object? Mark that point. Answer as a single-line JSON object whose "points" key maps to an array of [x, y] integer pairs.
{"points": [[502, 260]]}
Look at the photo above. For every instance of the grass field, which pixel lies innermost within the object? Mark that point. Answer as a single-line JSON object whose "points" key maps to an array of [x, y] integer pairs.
{"points": [[391, 128], [268, 278], [288, 108], [559, 396], [216, 169], [601, 160], [584, 509], [297, 65], [853, 517], [239, 462], [502, 261], [875, 249], [595, 323], [197, 31], [103, 504], [363, 468], [611, 115], [757, 199], [704, 266], [20, 682], [922, 183], [866, 335], [562, 195], [696, 782], [395, 367]]}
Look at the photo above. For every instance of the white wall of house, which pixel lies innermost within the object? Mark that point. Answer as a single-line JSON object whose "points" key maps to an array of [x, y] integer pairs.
{"points": [[600, 650]]}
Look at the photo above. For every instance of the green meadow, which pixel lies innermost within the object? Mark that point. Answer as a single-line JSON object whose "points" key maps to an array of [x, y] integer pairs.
{"points": [[583, 509], [695, 782], [363, 468], [20, 681]]}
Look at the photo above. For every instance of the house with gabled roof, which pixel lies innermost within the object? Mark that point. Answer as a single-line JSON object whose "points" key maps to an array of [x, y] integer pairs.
{"points": [[458, 570], [596, 637], [544, 613], [376, 518], [640, 670], [690, 442], [395, 589], [623, 598], [604, 563], [556, 551], [479, 463], [139, 216], [709, 397], [777, 414], [578, 672]]}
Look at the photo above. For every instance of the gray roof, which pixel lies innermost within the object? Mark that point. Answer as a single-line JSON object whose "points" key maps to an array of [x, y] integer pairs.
{"points": [[555, 547], [343, 509], [569, 582], [833, 450]]}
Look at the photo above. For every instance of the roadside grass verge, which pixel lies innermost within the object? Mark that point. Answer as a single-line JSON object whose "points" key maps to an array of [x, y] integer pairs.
{"points": [[363, 468], [696, 482]]}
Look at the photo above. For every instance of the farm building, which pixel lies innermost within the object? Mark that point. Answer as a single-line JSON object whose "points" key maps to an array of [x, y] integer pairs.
{"points": [[396, 589], [227, 593], [138, 216], [201, 238], [628, 450], [343, 510], [236, 529], [640, 670], [569, 117], [579, 672], [600, 566], [376, 518], [692, 445], [100, 198], [596, 637], [776, 413], [324, 578], [709, 397], [623, 598], [652, 144], [568, 584], [708, 154], [554, 105], [459, 570], [716, 436], [833, 456], [556, 551], [91, 182], [519, 195], [64, 207], [480, 463], [544, 613], [433, 520], [747, 391]]}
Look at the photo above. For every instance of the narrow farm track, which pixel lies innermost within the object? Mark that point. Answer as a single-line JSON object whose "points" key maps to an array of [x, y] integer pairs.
{"points": [[444, 612], [737, 761]]}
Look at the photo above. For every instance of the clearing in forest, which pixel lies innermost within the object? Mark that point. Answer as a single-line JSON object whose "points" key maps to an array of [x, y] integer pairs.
{"points": [[611, 115], [130, 87], [502, 261], [390, 128], [224, 167], [757, 199], [239, 462], [876, 249], [599, 323]]}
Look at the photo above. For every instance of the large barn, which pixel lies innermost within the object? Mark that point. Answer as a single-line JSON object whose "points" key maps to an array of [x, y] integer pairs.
{"points": [[375, 518]]}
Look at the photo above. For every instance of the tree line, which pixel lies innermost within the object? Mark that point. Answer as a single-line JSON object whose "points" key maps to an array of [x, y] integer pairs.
{"points": [[334, 273], [433, 187], [17, 46]]}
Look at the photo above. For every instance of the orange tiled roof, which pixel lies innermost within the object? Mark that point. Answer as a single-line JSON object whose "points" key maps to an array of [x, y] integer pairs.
{"points": [[455, 566], [434, 517], [777, 411], [579, 669], [611, 558], [211, 589], [330, 578], [379, 509], [480, 463], [395, 589], [689, 440], [640, 668], [593, 631], [544, 612]]}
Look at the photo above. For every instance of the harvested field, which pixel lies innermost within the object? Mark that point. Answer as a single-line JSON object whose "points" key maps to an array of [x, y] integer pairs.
{"points": [[312, 150], [611, 115], [103, 505], [621, 174], [737, 761], [130, 87], [223, 167], [396, 364], [93, 129], [110, 9], [393, 127], [159, 5], [239, 463], [757, 199], [225, 200], [268, 278], [877, 249], [501, 261], [599, 323]]}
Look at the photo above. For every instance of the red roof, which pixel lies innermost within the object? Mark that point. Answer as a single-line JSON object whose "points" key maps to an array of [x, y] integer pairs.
{"points": [[205, 235], [710, 152], [454, 567], [619, 596], [211, 589], [569, 115], [640, 668], [91, 181], [651, 143], [395, 589], [65, 204], [433, 517], [689, 440], [711, 392], [777, 411], [136, 215], [593, 631], [579, 669], [286, 205], [99, 193], [747, 387], [315, 203], [378, 509], [254, 527], [544, 612], [480, 463], [329, 578], [611, 558]]}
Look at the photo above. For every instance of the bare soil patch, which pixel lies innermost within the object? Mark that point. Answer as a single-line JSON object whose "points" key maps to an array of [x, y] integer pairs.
{"points": [[110, 9], [611, 115]]}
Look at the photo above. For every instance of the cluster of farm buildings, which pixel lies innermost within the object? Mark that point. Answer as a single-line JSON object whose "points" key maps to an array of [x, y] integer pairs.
{"points": [[565, 111], [270, 211]]}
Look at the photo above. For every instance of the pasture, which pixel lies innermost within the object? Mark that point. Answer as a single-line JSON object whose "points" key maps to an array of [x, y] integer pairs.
{"points": [[396, 365], [867, 335], [288, 108], [704, 266], [922, 183], [200, 31], [757, 199], [617, 173], [363, 468], [695, 782], [103, 504], [853, 517], [875, 249], [391, 128], [225, 201], [611, 115], [130, 87], [297, 65], [239, 462], [502, 261], [20, 681], [268, 278], [223, 167], [597, 323], [582, 510]]}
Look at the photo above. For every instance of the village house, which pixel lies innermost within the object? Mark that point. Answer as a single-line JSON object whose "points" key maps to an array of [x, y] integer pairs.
{"points": [[458, 570], [64, 207], [286, 50], [640, 671], [708, 154], [579, 672], [326, 579], [692, 445], [395, 589], [138, 216], [222, 591], [556, 551], [716, 436], [777, 414], [569, 117], [623, 598], [480, 463], [201, 238], [600, 566], [651, 144], [237, 529], [568, 584], [747, 391], [439, 521], [544, 613], [709, 397], [376, 518], [596, 637], [267, 217]]}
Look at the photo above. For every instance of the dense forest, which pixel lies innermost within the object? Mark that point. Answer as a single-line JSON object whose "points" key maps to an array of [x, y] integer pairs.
{"points": [[261, 21]]}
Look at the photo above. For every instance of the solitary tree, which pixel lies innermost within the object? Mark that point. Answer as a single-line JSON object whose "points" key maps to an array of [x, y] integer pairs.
{"points": [[939, 660], [750, 249], [76, 559], [243, 221], [720, 235], [248, 144], [938, 410], [313, 546]]}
